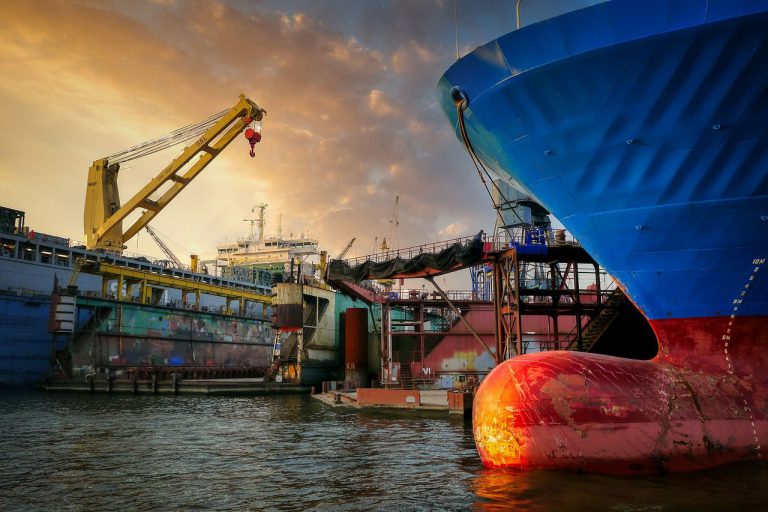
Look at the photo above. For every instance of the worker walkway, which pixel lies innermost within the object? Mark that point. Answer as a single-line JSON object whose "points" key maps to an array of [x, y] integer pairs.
{"points": [[420, 261]]}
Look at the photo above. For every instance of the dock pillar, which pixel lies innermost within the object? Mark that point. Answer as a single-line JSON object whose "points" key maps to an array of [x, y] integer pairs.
{"points": [[460, 402]]}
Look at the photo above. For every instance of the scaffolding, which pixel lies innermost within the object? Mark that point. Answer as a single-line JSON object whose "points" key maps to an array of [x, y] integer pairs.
{"points": [[545, 291]]}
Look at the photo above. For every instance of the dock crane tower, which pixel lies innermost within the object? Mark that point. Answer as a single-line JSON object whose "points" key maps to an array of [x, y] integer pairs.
{"points": [[104, 215]]}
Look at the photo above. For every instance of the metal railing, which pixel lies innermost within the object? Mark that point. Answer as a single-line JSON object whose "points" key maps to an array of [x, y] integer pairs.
{"points": [[424, 295], [505, 240]]}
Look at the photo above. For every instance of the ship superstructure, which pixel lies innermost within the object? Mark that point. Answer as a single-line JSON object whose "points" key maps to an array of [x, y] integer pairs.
{"points": [[274, 254]]}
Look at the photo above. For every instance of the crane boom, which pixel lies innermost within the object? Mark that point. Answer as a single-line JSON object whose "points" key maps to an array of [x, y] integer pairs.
{"points": [[103, 216], [166, 250], [346, 248]]}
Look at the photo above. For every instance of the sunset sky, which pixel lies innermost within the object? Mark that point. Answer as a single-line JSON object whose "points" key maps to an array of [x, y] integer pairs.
{"points": [[349, 88]]}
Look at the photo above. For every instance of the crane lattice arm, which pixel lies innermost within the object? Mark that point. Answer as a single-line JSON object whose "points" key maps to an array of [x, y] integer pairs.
{"points": [[103, 217], [166, 250], [346, 249]]}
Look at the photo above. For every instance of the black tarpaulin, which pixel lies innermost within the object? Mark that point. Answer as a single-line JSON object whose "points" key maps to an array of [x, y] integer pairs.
{"points": [[456, 255]]}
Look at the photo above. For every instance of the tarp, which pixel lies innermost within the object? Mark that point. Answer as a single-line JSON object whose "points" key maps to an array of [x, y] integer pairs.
{"points": [[456, 255]]}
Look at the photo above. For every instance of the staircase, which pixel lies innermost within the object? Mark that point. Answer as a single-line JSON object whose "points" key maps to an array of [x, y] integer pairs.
{"points": [[406, 377], [598, 325]]}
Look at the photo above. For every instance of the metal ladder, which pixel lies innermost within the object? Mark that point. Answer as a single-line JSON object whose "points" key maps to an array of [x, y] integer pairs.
{"points": [[270, 372]]}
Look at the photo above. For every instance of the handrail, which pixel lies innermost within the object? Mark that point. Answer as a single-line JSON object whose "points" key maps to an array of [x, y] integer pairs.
{"points": [[551, 237]]}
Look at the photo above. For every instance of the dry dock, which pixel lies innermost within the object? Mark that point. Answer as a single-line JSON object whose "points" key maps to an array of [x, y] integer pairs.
{"points": [[244, 386]]}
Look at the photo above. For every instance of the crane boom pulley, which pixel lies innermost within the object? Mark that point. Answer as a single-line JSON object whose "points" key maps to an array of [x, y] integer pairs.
{"points": [[104, 215]]}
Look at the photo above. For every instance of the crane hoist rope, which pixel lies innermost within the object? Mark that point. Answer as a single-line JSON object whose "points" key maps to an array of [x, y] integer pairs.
{"points": [[104, 215], [166, 141]]}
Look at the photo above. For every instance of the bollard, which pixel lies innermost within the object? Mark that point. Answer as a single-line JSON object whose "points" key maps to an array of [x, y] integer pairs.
{"points": [[337, 398]]}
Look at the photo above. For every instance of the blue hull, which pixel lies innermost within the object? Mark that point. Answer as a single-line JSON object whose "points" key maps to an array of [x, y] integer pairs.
{"points": [[643, 127], [25, 343]]}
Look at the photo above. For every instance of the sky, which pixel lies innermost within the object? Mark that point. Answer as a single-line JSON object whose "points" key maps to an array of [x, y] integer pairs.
{"points": [[348, 85]]}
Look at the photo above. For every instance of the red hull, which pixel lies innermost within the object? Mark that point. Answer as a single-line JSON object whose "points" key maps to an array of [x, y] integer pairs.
{"points": [[703, 401]]}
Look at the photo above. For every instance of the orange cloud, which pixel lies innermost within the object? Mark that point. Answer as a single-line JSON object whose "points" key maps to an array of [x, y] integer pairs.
{"points": [[79, 81]]}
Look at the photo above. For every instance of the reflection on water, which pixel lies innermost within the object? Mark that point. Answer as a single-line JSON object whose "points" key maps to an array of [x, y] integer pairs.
{"points": [[82, 452], [733, 487]]}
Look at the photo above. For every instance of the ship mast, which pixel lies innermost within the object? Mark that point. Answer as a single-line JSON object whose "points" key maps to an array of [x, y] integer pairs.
{"points": [[260, 220]]}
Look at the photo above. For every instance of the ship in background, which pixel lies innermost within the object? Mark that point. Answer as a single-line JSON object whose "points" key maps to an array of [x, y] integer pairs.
{"points": [[275, 255], [641, 127]]}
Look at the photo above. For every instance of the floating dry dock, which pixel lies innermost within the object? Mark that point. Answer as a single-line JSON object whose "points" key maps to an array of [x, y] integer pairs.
{"points": [[173, 384]]}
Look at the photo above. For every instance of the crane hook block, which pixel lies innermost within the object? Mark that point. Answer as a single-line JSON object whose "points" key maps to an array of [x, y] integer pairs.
{"points": [[253, 137]]}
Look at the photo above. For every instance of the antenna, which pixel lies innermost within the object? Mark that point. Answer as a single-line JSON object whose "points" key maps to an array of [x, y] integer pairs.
{"points": [[261, 207], [251, 235], [394, 223], [456, 22]]}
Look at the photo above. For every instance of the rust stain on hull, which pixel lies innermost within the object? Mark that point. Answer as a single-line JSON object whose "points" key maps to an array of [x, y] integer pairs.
{"points": [[688, 409]]}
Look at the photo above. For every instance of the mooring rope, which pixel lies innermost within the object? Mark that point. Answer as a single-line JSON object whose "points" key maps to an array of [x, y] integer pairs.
{"points": [[461, 102]]}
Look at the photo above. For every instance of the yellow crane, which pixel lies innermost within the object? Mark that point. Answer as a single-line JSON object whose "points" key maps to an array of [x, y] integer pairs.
{"points": [[104, 215]]}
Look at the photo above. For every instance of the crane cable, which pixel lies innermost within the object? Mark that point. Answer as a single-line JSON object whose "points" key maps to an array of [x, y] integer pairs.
{"points": [[166, 141]]}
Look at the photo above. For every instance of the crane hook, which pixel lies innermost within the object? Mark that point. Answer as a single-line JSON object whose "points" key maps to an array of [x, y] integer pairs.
{"points": [[253, 134]]}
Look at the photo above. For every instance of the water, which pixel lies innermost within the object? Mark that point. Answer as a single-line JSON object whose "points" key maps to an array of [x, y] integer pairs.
{"points": [[124, 452]]}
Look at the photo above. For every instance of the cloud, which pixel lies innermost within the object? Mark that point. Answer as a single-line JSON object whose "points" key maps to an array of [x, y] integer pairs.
{"points": [[454, 230], [412, 56], [351, 119], [383, 105]]}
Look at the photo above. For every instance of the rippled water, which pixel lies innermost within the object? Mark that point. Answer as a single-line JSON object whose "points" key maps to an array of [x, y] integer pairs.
{"points": [[124, 452]]}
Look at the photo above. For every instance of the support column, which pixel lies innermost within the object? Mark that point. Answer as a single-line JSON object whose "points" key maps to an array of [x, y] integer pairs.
{"points": [[598, 289], [299, 351], [421, 335], [577, 289], [120, 282], [518, 305], [386, 345], [498, 298]]}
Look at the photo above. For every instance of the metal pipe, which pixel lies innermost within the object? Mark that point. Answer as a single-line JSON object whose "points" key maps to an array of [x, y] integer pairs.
{"points": [[517, 13]]}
